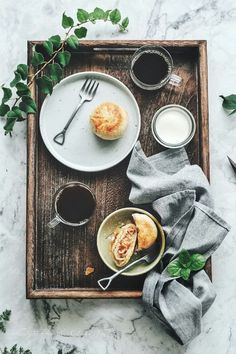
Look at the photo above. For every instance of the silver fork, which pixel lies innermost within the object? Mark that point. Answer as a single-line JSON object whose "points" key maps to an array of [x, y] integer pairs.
{"points": [[87, 93], [147, 256]]}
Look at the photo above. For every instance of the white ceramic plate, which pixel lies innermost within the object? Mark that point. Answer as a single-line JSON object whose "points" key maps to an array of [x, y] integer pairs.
{"points": [[83, 150]]}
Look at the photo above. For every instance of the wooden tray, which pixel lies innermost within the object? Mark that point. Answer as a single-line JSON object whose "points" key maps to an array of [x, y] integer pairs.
{"points": [[57, 259]]}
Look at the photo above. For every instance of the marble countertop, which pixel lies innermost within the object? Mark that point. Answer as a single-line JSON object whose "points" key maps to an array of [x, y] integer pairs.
{"points": [[118, 326]]}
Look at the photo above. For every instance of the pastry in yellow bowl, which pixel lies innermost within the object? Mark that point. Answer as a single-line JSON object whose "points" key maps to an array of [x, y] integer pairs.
{"points": [[147, 230], [109, 121]]}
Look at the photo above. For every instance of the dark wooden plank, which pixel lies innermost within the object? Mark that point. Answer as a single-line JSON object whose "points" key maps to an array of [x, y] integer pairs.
{"points": [[57, 259]]}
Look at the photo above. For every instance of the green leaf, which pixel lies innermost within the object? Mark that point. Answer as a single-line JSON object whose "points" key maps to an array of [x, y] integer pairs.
{"points": [[115, 16], [6, 94], [82, 15], [56, 41], [14, 115], [184, 258], [81, 32], [37, 59], [22, 89], [27, 105], [198, 261], [229, 102], [125, 22], [99, 14], [45, 84], [22, 69], [48, 45], [185, 273], [174, 268], [16, 79], [55, 72], [64, 58], [72, 41], [4, 108], [67, 21]]}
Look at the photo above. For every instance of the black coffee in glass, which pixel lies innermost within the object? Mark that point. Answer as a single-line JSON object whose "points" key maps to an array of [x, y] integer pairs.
{"points": [[151, 68]]}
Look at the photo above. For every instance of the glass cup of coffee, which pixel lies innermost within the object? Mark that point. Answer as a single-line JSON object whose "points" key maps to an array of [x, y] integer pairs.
{"points": [[74, 204], [152, 68]]}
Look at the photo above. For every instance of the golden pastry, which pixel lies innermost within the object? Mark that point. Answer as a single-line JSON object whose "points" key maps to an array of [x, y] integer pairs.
{"points": [[123, 244], [109, 121], [147, 230]]}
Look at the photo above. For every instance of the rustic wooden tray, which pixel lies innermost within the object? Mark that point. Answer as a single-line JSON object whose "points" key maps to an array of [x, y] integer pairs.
{"points": [[57, 259]]}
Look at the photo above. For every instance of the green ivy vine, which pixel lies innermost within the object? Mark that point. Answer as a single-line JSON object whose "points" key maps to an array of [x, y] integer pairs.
{"points": [[17, 101]]}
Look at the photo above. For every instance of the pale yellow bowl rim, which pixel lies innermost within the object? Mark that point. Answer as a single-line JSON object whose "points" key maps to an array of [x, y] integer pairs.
{"points": [[162, 235]]}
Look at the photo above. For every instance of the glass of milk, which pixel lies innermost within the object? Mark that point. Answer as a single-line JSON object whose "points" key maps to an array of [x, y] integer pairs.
{"points": [[173, 126]]}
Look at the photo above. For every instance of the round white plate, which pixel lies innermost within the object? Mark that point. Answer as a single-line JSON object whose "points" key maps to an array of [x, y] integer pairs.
{"points": [[82, 150]]}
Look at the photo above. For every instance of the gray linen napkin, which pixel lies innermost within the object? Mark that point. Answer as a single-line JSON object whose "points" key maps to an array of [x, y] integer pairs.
{"points": [[179, 193]]}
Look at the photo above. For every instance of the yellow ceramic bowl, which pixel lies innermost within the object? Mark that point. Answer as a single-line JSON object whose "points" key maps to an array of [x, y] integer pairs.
{"points": [[106, 229]]}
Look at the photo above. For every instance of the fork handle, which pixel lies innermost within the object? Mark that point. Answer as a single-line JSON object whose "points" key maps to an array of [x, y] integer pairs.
{"points": [[60, 137], [105, 282]]}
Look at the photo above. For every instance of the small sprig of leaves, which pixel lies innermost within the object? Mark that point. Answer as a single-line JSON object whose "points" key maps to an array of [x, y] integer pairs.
{"points": [[229, 103], [185, 264], [52, 58], [15, 350], [4, 318], [70, 352]]}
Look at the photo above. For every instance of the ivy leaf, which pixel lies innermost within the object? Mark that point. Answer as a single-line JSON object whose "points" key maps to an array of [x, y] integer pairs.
{"points": [[229, 103], [45, 84], [81, 32], [115, 16], [184, 259], [37, 59], [64, 58], [67, 21], [48, 45], [22, 89], [16, 79], [55, 72], [7, 93], [99, 14], [15, 114], [198, 261], [27, 105], [56, 41], [124, 24], [174, 268], [4, 108], [72, 41], [185, 273], [22, 69], [82, 15]]}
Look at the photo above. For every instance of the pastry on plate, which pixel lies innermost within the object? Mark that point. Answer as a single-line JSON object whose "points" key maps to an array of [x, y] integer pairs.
{"points": [[123, 243], [147, 230], [109, 121]]}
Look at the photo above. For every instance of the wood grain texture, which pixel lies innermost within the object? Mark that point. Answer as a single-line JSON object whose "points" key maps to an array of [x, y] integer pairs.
{"points": [[57, 259]]}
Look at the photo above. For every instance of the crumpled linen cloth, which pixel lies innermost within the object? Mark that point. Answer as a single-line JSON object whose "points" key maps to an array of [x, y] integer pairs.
{"points": [[180, 194]]}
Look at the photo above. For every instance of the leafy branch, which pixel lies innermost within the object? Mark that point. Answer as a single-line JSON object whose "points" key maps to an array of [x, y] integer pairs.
{"points": [[53, 56], [15, 350], [4, 317], [185, 264]]}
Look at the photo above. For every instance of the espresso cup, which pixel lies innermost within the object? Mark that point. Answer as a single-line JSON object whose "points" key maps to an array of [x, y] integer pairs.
{"points": [[74, 204], [152, 68]]}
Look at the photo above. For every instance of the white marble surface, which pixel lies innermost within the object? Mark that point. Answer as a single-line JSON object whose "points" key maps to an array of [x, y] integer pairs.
{"points": [[106, 326]]}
